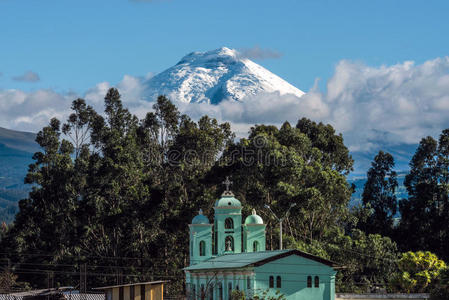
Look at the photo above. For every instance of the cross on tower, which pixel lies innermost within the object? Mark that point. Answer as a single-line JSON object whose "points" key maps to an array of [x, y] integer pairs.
{"points": [[227, 183]]}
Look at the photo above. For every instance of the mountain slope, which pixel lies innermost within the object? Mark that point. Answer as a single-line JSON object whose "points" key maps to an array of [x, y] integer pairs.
{"points": [[24, 141], [16, 151], [214, 76]]}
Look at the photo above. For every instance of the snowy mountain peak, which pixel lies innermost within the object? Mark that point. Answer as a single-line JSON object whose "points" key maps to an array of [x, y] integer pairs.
{"points": [[220, 54], [214, 76]]}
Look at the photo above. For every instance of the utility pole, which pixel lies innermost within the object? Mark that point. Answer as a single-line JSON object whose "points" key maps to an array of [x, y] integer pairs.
{"points": [[280, 220], [83, 281]]}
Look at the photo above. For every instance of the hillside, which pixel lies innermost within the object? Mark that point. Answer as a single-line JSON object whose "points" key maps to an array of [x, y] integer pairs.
{"points": [[16, 151]]}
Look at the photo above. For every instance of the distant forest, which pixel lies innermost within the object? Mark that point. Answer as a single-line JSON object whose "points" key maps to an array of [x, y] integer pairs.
{"points": [[13, 166]]}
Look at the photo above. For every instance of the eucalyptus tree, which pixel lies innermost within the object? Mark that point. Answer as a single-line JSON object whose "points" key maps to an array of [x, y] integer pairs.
{"points": [[426, 211], [379, 195]]}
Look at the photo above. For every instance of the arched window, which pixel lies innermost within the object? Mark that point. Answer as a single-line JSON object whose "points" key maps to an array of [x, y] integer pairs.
{"points": [[278, 282], [317, 281], [309, 281], [229, 243], [220, 291], [271, 282], [202, 248], [229, 223], [255, 246]]}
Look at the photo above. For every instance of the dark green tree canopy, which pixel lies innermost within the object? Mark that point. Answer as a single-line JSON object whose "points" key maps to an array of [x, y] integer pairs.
{"points": [[335, 153], [379, 195], [282, 166], [426, 211]]}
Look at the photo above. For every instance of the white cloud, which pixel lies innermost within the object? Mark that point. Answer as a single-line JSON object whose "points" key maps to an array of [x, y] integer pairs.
{"points": [[30, 111], [28, 76], [389, 105]]}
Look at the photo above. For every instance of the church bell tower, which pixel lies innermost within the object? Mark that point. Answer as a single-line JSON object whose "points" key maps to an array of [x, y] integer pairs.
{"points": [[227, 234], [227, 223], [200, 239]]}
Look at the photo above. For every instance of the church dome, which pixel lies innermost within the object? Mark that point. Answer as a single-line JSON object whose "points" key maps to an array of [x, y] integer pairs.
{"points": [[200, 218], [227, 200], [253, 219]]}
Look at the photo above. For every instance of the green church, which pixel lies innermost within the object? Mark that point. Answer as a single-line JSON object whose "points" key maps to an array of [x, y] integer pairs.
{"points": [[228, 255]]}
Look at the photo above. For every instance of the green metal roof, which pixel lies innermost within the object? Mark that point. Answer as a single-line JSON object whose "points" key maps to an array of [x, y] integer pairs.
{"points": [[253, 219], [239, 260], [227, 200], [200, 219]]}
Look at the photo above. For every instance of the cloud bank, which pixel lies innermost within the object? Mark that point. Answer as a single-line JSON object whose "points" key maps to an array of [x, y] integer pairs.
{"points": [[390, 104], [373, 107]]}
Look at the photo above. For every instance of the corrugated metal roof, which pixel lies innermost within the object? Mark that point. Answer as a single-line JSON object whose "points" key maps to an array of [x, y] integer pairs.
{"points": [[42, 292], [239, 260], [129, 284]]}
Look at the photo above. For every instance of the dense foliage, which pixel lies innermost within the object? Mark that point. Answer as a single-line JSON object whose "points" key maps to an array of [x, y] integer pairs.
{"points": [[116, 197], [112, 195], [283, 166], [418, 272], [441, 291]]}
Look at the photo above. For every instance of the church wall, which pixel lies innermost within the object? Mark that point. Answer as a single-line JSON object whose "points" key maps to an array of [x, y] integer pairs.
{"points": [[294, 271], [251, 234], [211, 280], [200, 233]]}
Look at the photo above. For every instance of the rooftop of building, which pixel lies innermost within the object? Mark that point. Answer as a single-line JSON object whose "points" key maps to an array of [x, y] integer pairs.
{"points": [[131, 284], [240, 260]]}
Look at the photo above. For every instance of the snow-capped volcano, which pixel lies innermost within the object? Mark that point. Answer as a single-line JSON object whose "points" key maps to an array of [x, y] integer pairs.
{"points": [[214, 76]]}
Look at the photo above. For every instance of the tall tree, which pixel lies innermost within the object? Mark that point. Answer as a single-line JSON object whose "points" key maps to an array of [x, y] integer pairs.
{"points": [[379, 195], [46, 221], [427, 208], [78, 124]]}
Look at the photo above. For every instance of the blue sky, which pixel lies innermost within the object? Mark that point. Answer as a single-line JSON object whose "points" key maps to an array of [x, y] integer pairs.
{"points": [[383, 65], [72, 45]]}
